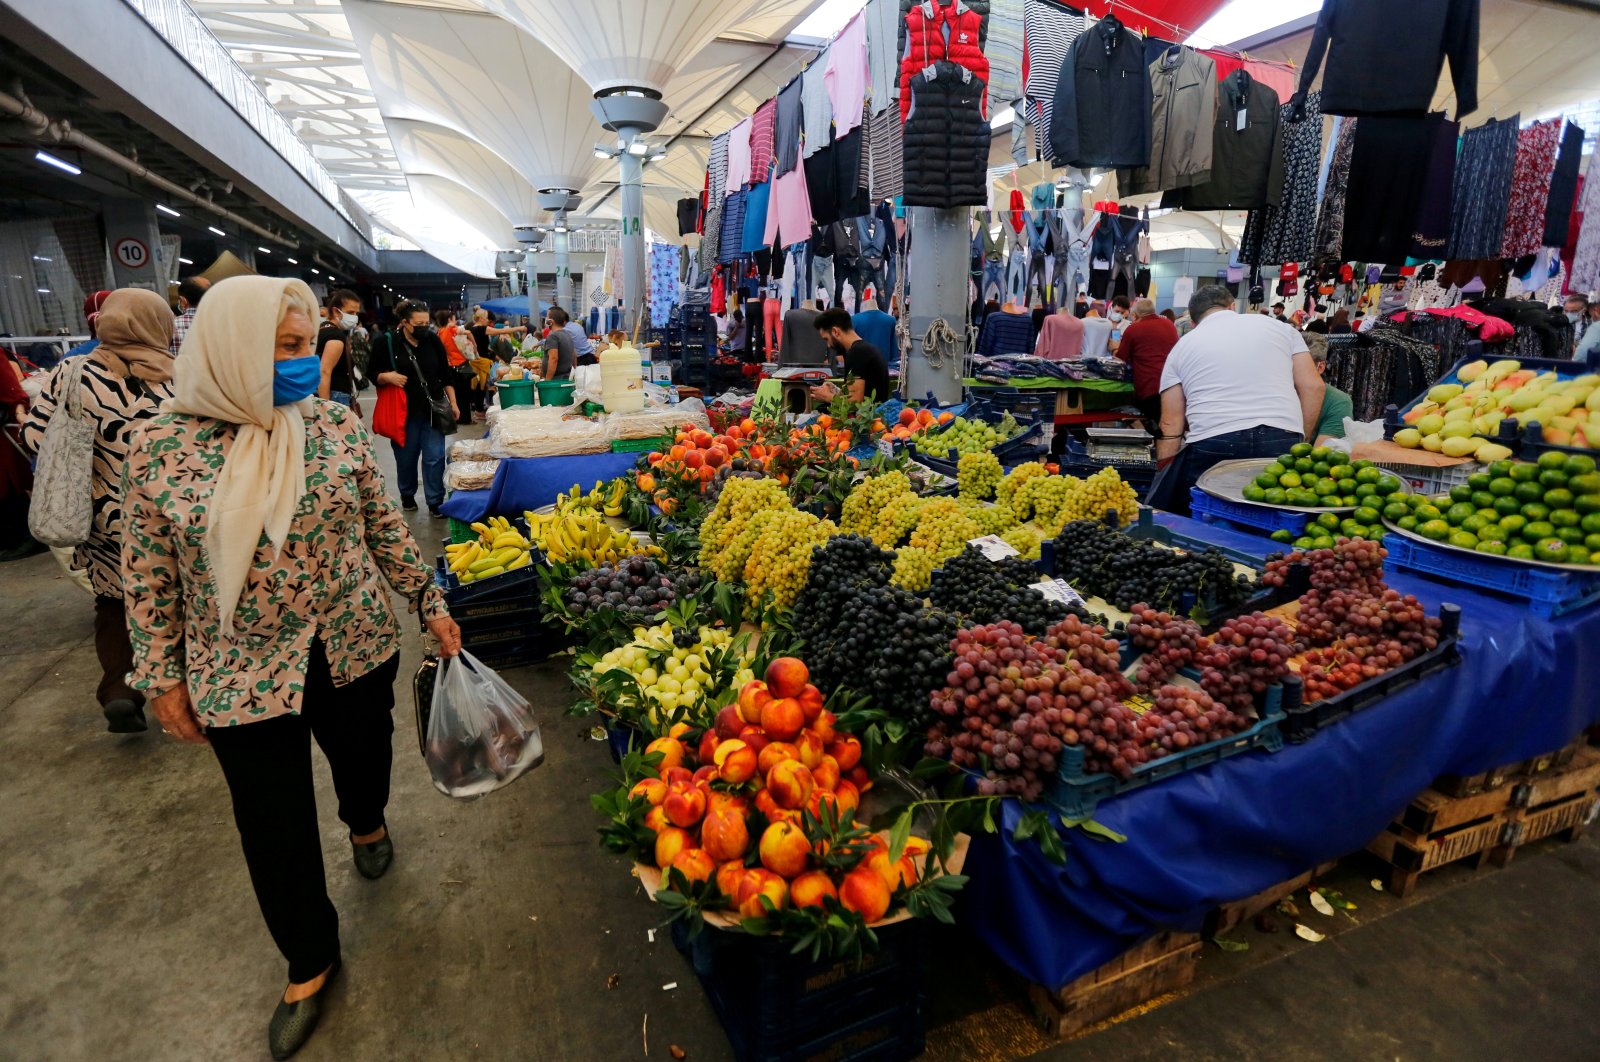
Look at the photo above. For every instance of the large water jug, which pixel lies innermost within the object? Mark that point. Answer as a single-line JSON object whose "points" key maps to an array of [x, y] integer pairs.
{"points": [[622, 379]]}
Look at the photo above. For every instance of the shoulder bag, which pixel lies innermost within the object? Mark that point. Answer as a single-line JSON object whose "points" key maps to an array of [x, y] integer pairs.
{"points": [[62, 510], [389, 411], [439, 416]]}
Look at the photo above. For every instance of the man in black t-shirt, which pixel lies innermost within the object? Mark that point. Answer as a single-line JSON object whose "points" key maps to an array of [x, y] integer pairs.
{"points": [[866, 370]]}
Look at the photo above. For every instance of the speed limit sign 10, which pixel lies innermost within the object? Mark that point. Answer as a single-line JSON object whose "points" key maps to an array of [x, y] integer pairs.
{"points": [[132, 253]]}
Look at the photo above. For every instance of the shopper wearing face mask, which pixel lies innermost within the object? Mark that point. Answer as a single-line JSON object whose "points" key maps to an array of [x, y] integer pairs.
{"points": [[1118, 314], [412, 357], [333, 349], [259, 549], [1588, 329]]}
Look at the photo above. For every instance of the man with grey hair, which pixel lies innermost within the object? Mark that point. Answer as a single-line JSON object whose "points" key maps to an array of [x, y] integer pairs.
{"points": [[1145, 346], [1238, 385], [1336, 404]]}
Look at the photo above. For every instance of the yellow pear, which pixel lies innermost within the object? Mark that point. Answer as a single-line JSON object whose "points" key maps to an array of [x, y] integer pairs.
{"points": [[1459, 429], [1457, 414], [1430, 424], [1432, 443], [1410, 438], [1490, 452], [1470, 372], [1460, 447], [1444, 392]]}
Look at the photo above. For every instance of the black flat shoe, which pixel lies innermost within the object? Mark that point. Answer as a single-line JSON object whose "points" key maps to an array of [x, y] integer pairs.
{"points": [[435, 512], [372, 860], [124, 717], [293, 1023], [409, 504]]}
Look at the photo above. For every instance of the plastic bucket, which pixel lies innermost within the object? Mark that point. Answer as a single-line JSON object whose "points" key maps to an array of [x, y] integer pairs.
{"points": [[555, 392], [515, 393]]}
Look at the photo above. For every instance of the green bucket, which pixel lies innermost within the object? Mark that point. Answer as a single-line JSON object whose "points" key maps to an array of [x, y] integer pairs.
{"points": [[555, 392], [515, 393]]}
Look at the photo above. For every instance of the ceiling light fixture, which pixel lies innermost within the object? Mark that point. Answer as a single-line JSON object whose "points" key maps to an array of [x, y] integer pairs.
{"points": [[293, 261], [186, 261], [60, 164], [638, 147], [42, 258], [168, 210], [315, 270], [42, 291], [216, 230]]}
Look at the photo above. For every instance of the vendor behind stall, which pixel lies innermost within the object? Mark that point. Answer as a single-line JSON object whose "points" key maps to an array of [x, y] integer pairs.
{"points": [[1336, 405], [1238, 385], [865, 368], [560, 353]]}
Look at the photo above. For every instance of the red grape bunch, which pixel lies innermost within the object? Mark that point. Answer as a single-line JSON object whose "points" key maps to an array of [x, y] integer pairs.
{"points": [[1352, 564], [1247, 654], [1094, 648], [1168, 644]]}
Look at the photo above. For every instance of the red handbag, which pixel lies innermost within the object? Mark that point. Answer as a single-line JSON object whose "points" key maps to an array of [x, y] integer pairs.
{"points": [[389, 414]]}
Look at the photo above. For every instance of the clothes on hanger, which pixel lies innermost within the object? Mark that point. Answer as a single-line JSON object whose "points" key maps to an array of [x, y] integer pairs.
{"points": [[786, 127], [816, 111], [946, 139], [1389, 184], [943, 31], [884, 136], [1484, 170], [1329, 234], [1283, 233], [1530, 188], [1563, 186], [1048, 33], [1102, 111], [1246, 151], [846, 75], [1413, 41], [1183, 86], [884, 23]]}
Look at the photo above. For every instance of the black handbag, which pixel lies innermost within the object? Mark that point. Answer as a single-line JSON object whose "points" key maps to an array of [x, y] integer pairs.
{"points": [[439, 416]]}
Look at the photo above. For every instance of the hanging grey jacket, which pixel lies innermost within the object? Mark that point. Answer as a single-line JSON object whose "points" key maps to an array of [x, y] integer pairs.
{"points": [[1184, 86]]}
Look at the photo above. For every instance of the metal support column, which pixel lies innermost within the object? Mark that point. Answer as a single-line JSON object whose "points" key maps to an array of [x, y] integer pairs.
{"points": [[941, 242], [633, 267], [562, 246]]}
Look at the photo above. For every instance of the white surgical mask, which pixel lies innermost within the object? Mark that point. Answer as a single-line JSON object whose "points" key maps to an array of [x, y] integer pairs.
{"points": [[1116, 315], [1574, 317]]}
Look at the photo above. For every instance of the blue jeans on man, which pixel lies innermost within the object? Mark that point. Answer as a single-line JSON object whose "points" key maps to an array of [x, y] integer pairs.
{"points": [[1170, 490], [425, 443]]}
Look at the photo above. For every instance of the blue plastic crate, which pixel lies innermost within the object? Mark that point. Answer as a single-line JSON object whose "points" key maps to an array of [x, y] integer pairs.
{"points": [[1075, 794], [1210, 509], [1032, 403], [1532, 444], [1549, 592]]}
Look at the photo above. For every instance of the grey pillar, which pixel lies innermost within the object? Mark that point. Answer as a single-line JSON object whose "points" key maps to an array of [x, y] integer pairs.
{"points": [[941, 244], [562, 245], [530, 277], [134, 240], [632, 167]]}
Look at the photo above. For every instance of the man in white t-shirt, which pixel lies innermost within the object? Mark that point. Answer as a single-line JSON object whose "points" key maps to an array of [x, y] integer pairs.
{"points": [[1237, 385]]}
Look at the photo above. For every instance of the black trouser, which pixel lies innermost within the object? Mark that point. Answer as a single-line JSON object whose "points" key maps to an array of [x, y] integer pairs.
{"points": [[268, 769], [1170, 491], [112, 646]]}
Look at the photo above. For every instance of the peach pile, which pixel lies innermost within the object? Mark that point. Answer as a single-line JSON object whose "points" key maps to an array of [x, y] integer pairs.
{"points": [[775, 751]]}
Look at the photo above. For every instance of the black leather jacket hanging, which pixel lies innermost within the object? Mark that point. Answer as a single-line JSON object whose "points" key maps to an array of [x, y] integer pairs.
{"points": [[1103, 100]]}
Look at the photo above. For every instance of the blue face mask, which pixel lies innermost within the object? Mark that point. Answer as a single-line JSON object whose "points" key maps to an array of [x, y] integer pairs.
{"points": [[295, 379]]}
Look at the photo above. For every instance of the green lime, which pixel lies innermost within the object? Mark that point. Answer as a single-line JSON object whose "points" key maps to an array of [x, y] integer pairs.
{"points": [[1325, 486], [1368, 475], [1349, 500], [1538, 529], [1482, 499], [1591, 542], [1437, 530], [1529, 492], [1264, 481], [1475, 524], [1464, 539], [1536, 510], [1513, 524], [1500, 468], [1491, 533], [1322, 542], [1395, 510], [1304, 464], [1330, 501], [1367, 515], [1282, 535], [1578, 554], [1328, 520], [1507, 506], [1407, 523], [1579, 465], [1277, 496], [1428, 511], [1559, 498], [1292, 479], [1460, 493], [1497, 548], [1490, 515], [1359, 465], [1587, 503], [1459, 512], [1302, 542], [1478, 481], [1321, 453], [1342, 471], [1550, 549], [1565, 518], [1523, 472], [1254, 493], [1552, 459], [1502, 487], [1347, 484], [1520, 550], [1351, 528], [1590, 523], [1552, 477], [1570, 535], [1387, 485], [1319, 468], [1585, 483], [1366, 490], [1274, 470]]}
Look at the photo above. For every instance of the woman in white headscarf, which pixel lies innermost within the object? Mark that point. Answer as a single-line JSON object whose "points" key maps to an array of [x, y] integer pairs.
{"points": [[257, 528]]}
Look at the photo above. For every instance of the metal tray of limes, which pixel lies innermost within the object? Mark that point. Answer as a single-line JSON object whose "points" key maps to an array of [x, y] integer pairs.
{"points": [[1527, 562], [1228, 479]]}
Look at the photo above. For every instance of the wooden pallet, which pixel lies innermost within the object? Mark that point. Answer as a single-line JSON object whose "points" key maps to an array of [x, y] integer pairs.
{"points": [[1162, 964], [1229, 915], [1458, 785], [1436, 828]]}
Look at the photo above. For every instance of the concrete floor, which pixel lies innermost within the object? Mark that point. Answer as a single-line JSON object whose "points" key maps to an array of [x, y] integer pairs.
{"points": [[505, 932]]}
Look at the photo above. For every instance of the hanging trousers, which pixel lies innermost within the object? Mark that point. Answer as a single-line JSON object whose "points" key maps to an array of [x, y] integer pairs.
{"points": [[1037, 279], [268, 769], [1016, 274], [772, 325]]}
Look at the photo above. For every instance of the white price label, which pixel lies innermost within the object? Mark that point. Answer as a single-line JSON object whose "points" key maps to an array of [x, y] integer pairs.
{"points": [[993, 546], [1059, 590], [886, 447]]}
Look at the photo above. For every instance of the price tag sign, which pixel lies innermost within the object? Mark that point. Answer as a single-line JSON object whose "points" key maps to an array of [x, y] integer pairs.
{"points": [[886, 447], [1059, 590], [993, 546]]}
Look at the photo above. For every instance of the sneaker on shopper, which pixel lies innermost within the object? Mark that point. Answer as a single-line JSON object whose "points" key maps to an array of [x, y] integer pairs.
{"points": [[435, 512], [408, 503]]}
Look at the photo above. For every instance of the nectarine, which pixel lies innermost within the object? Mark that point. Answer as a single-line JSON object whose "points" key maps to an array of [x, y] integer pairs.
{"points": [[784, 849], [736, 761], [685, 804], [671, 749], [751, 697], [725, 835], [694, 864], [809, 889], [787, 676], [669, 842], [864, 892], [782, 719], [652, 789], [845, 748], [810, 747], [756, 883], [789, 782]]}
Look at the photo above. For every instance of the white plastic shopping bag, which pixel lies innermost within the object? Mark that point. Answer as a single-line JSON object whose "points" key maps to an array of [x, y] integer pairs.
{"points": [[481, 733]]}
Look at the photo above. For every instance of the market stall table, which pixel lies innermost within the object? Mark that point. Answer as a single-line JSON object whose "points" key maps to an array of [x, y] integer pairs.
{"points": [[1072, 402], [1524, 686], [523, 483]]}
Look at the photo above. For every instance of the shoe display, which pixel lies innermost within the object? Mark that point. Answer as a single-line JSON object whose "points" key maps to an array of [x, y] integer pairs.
{"points": [[293, 1023]]}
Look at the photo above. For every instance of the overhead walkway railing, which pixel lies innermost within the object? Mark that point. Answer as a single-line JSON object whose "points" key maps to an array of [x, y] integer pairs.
{"points": [[189, 36]]}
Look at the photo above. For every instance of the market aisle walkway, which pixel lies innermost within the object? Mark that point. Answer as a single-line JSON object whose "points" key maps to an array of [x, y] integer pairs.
{"points": [[132, 932]]}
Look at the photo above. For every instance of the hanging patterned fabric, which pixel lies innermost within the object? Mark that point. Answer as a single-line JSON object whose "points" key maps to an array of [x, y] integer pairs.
{"points": [[1483, 189], [1005, 51], [1530, 188], [886, 137], [1330, 216], [1586, 241], [1563, 186], [663, 282], [717, 169], [1048, 33], [1277, 234]]}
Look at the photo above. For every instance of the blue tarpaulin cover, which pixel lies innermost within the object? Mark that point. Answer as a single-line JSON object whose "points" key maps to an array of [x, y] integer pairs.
{"points": [[523, 483], [1525, 686]]}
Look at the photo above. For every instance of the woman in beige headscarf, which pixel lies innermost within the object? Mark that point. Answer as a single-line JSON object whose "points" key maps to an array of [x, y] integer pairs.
{"points": [[257, 530], [124, 381]]}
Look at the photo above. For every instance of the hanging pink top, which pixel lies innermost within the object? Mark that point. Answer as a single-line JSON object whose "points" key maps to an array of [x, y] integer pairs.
{"points": [[846, 76]]}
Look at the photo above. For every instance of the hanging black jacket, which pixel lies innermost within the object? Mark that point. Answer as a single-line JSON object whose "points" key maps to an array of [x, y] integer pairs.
{"points": [[1385, 57], [1247, 163], [1103, 100], [946, 139]]}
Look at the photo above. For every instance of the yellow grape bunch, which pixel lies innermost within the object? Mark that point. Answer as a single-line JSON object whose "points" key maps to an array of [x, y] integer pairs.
{"points": [[1007, 493], [943, 528], [1025, 540], [991, 519], [913, 568], [977, 476]]}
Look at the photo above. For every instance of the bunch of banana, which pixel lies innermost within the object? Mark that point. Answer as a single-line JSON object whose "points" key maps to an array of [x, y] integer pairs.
{"points": [[616, 490], [500, 548], [582, 536], [598, 498]]}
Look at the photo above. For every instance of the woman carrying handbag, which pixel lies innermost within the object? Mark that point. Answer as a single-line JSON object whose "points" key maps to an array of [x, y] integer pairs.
{"points": [[411, 358]]}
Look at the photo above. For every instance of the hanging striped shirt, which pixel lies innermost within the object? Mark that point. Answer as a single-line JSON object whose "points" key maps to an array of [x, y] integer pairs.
{"points": [[1048, 33]]}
